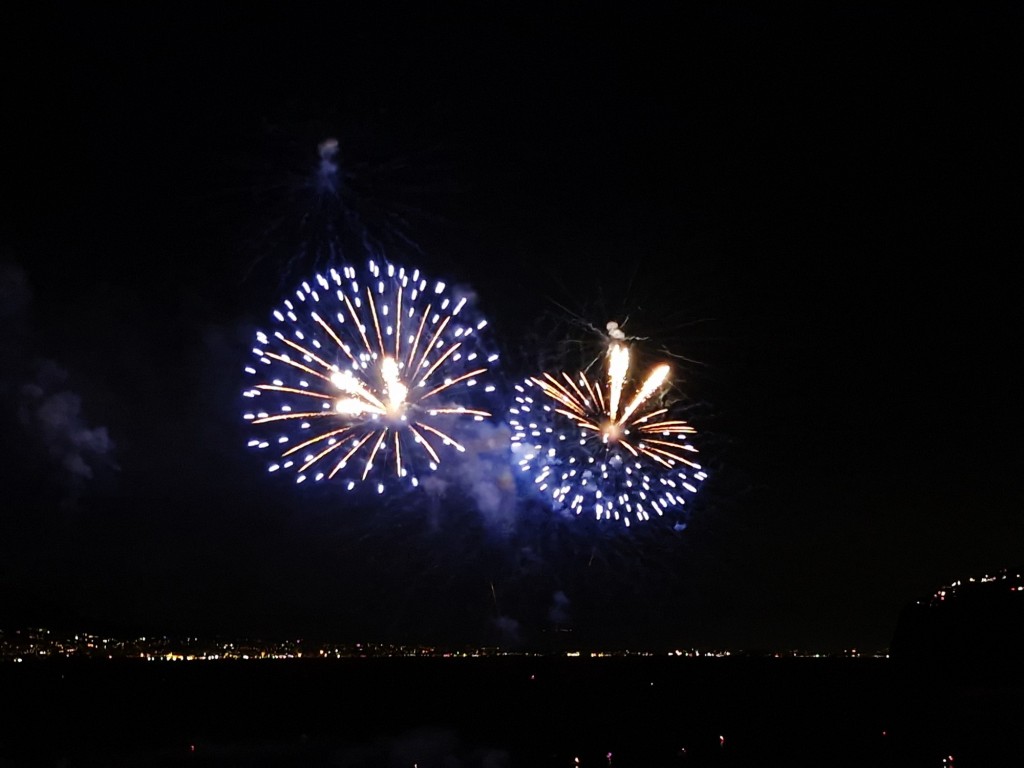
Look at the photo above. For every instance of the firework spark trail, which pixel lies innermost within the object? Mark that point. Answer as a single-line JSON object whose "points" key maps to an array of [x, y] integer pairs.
{"points": [[338, 378], [585, 451]]}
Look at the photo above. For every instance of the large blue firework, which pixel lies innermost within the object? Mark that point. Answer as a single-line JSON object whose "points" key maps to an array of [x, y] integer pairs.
{"points": [[366, 376], [602, 448]]}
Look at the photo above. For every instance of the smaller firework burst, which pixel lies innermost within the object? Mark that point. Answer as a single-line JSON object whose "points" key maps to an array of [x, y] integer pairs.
{"points": [[603, 447]]}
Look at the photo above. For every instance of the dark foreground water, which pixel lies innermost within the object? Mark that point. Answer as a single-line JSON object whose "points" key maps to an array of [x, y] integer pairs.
{"points": [[536, 712]]}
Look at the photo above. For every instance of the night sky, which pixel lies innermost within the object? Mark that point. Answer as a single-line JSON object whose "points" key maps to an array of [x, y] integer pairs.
{"points": [[816, 216]]}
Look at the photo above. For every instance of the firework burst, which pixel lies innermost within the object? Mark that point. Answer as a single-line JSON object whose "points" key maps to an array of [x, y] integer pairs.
{"points": [[604, 447], [367, 377]]}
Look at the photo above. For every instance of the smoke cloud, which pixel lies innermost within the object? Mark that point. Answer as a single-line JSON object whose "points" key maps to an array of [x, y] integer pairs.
{"points": [[482, 474], [52, 414], [508, 630], [558, 613], [15, 292], [44, 404]]}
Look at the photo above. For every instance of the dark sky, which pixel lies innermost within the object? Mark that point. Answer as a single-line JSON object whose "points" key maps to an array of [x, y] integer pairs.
{"points": [[817, 214]]}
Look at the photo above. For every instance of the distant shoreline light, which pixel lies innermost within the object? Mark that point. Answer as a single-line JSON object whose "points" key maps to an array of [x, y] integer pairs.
{"points": [[41, 644]]}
